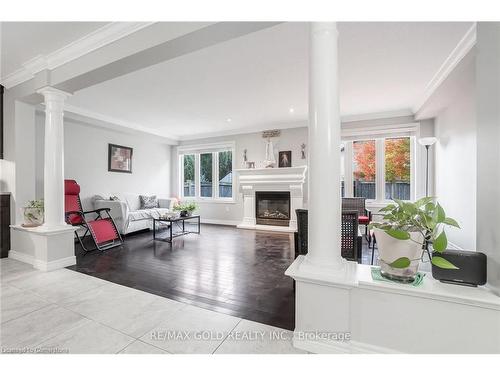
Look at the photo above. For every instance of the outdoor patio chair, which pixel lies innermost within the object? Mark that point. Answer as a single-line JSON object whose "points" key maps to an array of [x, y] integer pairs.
{"points": [[101, 227], [358, 204]]}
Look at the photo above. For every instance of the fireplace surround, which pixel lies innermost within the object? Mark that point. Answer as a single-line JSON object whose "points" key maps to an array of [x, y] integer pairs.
{"points": [[252, 182]]}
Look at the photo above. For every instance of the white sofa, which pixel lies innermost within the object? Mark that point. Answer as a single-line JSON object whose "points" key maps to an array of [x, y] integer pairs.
{"points": [[127, 213]]}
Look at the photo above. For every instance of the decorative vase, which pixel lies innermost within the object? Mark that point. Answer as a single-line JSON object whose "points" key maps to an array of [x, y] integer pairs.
{"points": [[33, 216], [391, 249]]}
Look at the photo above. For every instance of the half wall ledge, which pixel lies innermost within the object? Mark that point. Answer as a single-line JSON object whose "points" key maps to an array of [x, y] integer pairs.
{"points": [[384, 317]]}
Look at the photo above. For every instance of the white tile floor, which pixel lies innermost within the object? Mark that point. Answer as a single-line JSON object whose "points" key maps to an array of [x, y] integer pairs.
{"points": [[65, 311]]}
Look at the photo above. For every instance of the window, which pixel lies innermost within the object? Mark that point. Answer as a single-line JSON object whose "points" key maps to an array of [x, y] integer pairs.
{"points": [[379, 169], [397, 168], [206, 181], [364, 171], [225, 174], [207, 173], [188, 182]]}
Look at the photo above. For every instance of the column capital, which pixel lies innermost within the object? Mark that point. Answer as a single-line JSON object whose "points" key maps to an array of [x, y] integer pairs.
{"points": [[324, 28], [52, 94]]}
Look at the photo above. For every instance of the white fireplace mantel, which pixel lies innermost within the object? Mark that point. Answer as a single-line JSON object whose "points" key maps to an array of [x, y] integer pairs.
{"points": [[290, 179]]}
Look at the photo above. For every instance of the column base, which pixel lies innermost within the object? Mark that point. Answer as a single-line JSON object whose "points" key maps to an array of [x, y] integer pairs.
{"points": [[46, 248]]}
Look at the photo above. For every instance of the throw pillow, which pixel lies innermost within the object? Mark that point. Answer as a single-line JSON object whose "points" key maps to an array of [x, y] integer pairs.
{"points": [[148, 201]]}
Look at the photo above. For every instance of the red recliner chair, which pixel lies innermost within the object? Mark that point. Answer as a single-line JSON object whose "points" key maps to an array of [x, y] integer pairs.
{"points": [[102, 228]]}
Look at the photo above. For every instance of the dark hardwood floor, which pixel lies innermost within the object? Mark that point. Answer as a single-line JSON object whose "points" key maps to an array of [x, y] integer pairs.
{"points": [[234, 271]]}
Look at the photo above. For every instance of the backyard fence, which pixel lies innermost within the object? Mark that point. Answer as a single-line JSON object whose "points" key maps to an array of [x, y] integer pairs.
{"points": [[225, 190], [393, 190]]}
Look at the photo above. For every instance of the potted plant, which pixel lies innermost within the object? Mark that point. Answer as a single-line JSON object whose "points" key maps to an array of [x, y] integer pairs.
{"points": [[33, 213], [186, 208], [407, 231]]}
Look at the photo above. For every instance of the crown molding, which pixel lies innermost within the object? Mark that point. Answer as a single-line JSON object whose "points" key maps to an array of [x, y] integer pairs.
{"points": [[459, 52], [104, 121], [99, 38], [246, 130], [376, 116]]}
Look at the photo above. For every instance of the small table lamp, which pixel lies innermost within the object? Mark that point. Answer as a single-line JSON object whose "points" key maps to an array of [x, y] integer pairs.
{"points": [[427, 142]]}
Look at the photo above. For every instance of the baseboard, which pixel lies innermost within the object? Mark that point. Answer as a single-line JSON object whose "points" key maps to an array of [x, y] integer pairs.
{"points": [[22, 257], [347, 347], [55, 264], [232, 223], [41, 265]]}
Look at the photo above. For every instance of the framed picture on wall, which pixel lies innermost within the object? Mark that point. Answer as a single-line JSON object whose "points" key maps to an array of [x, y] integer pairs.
{"points": [[285, 159], [119, 158]]}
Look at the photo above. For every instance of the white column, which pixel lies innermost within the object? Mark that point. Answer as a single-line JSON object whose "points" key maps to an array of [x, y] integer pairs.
{"points": [[488, 154], [324, 147], [54, 157]]}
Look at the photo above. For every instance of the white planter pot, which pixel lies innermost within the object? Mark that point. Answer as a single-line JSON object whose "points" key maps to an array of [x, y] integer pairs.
{"points": [[390, 249], [33, 217]]}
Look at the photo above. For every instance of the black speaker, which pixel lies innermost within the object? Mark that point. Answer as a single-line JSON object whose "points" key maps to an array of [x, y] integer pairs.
{"points": [[471, 268]]}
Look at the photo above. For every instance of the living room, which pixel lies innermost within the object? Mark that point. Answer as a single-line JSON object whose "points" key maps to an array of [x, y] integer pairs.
{"points": [[206, 143]]}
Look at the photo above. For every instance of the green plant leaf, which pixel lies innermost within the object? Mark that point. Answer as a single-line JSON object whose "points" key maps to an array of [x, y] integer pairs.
{"points": [[389, 207], [443, 263], [440, 243], [398, 234], [452, 222], [439, 214], [399, 202], [402, 262], [424, 201], [429, 207], [409, 207]]}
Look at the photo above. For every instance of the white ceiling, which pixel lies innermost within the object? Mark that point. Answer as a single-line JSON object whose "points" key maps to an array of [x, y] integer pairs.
{"points": [[254, 80], [23, 41]]}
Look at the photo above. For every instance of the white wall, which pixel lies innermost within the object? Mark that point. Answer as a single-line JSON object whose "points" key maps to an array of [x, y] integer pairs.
{"points": [[86, 161], [488, 152], [455, 128], [232, 213]]}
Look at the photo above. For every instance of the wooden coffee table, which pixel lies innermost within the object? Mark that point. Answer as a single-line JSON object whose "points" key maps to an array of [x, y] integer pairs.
{"points": [[179, 222]]}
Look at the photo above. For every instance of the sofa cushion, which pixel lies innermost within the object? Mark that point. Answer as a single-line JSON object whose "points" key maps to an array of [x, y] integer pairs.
{"points": [[147, 214], [148, 201], [133, 202]]}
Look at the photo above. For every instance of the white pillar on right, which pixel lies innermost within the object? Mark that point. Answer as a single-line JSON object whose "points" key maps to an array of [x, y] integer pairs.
{"points": [[488, 153], [324, 148]]}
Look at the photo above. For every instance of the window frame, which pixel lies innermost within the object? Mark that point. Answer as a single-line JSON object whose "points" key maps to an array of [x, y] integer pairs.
{"points": [[379, 163], [197, 150]]}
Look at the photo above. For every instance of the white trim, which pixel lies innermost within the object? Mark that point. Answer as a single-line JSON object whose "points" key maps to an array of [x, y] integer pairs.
{"points": [[55, 264], [247, 130], [231, 223], [22, 257], [206, 147], [376, 116], [459, 52], [104, 121], [99, 38], [370, 132]]}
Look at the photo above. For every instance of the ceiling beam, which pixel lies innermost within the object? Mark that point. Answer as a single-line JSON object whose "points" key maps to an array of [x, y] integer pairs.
{"points": [[193, 41]]}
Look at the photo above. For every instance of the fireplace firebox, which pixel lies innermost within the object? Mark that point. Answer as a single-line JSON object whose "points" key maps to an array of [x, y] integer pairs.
{"points": [[272, 208]]}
